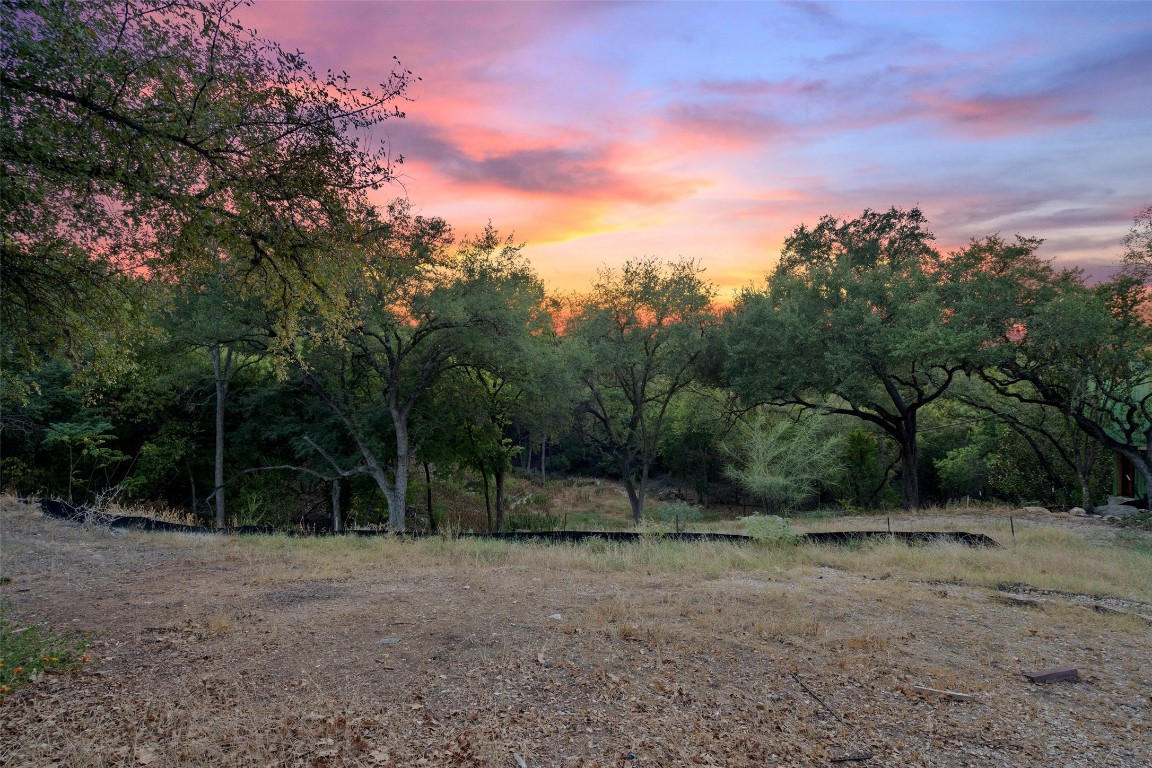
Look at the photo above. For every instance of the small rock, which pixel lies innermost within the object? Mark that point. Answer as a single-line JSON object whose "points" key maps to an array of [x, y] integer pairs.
{"points": [[1078, 511], [1037, 510], [1018, 600], [389, 641], [556, 617]]}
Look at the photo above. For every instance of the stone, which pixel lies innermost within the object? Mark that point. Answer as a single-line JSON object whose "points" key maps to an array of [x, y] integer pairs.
{"points": [[1053, 675], [1037, 510], [1078, 511], [1117, 510], [1009, 598]]}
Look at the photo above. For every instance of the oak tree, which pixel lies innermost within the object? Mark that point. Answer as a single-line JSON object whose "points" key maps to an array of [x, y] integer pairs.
{"points": [[640, 335], [854, 320]]}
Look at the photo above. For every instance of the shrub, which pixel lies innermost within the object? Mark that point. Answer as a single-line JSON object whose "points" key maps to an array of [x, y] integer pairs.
{"points": [[783, 461], [531, 521], [678, 514], [771, 529]]}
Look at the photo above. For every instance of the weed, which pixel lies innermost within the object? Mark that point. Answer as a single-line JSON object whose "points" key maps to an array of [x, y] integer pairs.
{"points": [[221, 624], [28, 652], [1141, 522], [1139, 542]]}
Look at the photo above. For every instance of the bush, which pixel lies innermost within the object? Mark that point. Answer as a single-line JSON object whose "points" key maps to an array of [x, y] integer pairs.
{"points": [[771, 529], [531, 521], [783, 461], [678, 514]]}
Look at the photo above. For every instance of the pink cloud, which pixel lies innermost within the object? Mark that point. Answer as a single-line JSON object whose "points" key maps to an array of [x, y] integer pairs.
{"points": [[995, 116], [761, 88], [548, 119], [728, 127], [516, 163]]}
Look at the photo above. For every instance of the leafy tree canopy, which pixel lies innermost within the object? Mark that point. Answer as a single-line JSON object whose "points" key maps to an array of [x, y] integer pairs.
{"points": [[144, 137], [638, 339], [855, 319]]}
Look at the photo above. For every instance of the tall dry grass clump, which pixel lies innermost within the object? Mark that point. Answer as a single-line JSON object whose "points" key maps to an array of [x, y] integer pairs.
{"points": [[1039, 557]]}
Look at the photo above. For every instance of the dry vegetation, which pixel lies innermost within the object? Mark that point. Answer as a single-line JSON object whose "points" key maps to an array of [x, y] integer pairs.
{"points": [[358, 652]]}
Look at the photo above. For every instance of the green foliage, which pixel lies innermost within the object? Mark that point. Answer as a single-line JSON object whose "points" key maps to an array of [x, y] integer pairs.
{"points": [[530, 520], [85, 443], [636, 341], [157, 134], [435, 348], [678, 514], [30, 651], [966, 469], [784, 461], [856, 319], [867, 466], [771, 529], [691, 443], [1056, 342], [158, 461]]}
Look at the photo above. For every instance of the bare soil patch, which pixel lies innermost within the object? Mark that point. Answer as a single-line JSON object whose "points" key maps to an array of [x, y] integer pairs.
{"points": [[215, 651]]}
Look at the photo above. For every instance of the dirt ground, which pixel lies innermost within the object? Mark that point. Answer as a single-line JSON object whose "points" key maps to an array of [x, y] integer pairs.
{"points": [[212, 651]]}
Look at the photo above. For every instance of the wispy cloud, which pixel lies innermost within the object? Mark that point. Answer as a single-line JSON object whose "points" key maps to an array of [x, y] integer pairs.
{"points": [[604, 131]]}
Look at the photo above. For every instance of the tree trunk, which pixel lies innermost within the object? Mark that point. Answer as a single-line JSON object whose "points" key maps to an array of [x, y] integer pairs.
{"points": [[192, 485], [220, 375], [635, 500], [428, 496], [1145, 467], [1083, 466], [345, 500], [487, 502], [543, 455], [1054, 479], [909, 461], [1145, 470], [337, 525], [396, 492], [642, 494], [499, 475]]}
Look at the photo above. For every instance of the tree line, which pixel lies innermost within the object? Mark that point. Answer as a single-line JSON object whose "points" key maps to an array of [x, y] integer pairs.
{"points": [[203, 306]]}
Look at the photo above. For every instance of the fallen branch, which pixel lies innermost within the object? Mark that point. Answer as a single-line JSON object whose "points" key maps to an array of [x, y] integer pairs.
{"points": [[954, 695]]}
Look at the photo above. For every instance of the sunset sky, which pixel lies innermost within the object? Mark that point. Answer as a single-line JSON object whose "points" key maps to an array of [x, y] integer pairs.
{"points": [[600, 132]]}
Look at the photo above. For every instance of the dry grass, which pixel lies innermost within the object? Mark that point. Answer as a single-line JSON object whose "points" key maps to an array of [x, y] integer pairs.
{"points": [[358, 652], [1040, 558], [1040, 555]]}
